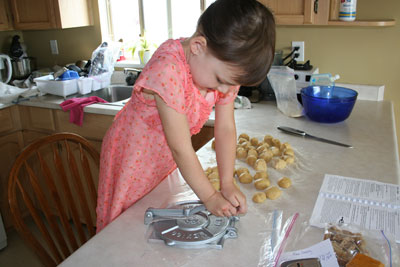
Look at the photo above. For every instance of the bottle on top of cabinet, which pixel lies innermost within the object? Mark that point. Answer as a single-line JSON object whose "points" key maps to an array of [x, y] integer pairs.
{"points": [[347, 10]]}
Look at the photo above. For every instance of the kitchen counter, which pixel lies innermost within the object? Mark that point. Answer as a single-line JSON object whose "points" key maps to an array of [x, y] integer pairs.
{"points": [[370, 129], [53, 102]]}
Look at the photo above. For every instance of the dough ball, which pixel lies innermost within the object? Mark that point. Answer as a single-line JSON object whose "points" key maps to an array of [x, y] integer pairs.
{"points": [[276, 142], [251, 160], [273, 192], [216, 184], [260, 165], [266, 155], [259, 197], [288, 159], [242, 140], [246, 145], [245, 178], [280, 164], [208, 171], [213, 144], [268, 139], [245, 136], [241, 153], [254, 141], [260, 175], [213, 175], [289, 152], [262, 148], [252, 152], [261, 184], [241, 170], [275, 151], [285, 182], [286, 146]]}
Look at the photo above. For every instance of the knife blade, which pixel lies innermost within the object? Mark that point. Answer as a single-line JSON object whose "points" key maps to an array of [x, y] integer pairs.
{"points": [[298, 132]]}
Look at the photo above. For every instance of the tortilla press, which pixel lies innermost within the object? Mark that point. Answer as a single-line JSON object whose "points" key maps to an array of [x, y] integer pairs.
{"points": [[190, 225]]}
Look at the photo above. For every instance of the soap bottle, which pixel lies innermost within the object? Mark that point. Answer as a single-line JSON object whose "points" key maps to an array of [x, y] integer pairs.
{"points": [[324, 79], [347, 10]]}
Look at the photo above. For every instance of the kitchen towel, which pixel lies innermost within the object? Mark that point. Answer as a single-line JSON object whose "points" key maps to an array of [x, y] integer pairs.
{"points": [[76, 105]]}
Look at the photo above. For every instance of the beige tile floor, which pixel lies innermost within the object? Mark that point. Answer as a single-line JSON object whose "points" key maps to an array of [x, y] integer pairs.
{"points": [[17, 254]]}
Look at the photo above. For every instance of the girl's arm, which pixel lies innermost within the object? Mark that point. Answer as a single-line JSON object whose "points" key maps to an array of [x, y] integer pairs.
{"points": [[177, 133], [225, 148]]}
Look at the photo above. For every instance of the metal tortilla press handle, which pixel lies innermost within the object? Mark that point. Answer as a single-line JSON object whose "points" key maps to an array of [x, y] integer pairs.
{"points": [[152, 214]]}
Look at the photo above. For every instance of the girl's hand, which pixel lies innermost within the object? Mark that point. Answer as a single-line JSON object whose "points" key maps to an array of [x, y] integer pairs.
{"points": [[235, 197], [219, 206]]}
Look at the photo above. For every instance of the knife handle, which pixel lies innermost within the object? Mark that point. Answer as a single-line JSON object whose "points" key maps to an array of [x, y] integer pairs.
{"points": [[292, 130]]}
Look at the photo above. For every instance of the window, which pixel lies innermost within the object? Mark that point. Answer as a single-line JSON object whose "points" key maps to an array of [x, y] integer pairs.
{"points": [[157, 20]]}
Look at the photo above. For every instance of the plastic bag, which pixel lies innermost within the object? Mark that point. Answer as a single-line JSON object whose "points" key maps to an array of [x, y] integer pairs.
{"points": [[276, 238], [284, 85], [349, 240], [9, 93], [103, 59]]}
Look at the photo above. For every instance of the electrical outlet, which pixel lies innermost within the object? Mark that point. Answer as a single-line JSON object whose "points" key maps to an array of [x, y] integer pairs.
{"points": [[54, 47], [299, 44]]}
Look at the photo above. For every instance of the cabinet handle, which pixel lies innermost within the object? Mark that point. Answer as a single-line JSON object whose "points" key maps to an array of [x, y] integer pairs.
{"points": [[316, 6]]}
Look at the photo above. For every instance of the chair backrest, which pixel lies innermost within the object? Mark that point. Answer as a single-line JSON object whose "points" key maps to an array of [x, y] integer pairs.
{"points": [[52, 195]]}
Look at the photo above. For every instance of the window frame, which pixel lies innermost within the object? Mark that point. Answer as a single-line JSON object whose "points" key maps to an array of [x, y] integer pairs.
{"points": [[107, 31]]}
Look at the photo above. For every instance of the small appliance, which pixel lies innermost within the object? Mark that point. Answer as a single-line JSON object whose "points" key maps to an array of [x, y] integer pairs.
{"points": [[5, 68]]}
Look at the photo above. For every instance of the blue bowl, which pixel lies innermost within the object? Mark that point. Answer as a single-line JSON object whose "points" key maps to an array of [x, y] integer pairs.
{"points": [[328, 104]]}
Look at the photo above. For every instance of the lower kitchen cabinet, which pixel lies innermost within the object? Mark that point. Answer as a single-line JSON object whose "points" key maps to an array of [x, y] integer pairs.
{"points": [[202, 138], [10, 146], [21, 125], [94, 126]]}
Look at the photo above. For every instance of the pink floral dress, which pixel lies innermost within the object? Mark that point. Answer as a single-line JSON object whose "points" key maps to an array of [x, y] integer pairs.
{"points": [[135, 156]]}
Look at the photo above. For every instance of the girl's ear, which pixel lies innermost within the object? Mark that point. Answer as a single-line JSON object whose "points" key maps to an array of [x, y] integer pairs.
{"points": [[198, 45]]}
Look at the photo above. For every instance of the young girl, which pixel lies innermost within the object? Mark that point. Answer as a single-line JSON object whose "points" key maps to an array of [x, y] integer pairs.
{"points": [[173, 98]]}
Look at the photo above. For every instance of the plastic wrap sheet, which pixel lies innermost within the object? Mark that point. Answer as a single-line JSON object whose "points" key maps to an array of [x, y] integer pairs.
{"points": [[265, 225]]}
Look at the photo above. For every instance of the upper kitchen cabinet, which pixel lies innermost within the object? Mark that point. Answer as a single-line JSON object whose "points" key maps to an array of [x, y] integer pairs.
{"points": [[50, 14], [5, 19], [299, 12], [315, 12]]}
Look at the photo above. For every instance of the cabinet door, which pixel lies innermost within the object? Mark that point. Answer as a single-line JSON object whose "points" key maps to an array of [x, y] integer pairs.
{"points": [[206, 134], [38, 14], [299, 12], [40, 119], [9, 118], [5, 19], [10, 146]]}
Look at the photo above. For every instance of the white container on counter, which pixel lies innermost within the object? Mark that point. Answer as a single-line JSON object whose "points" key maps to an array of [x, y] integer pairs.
{"points": [[347, 10], [101, 81], [47, 84], [85, 85]]}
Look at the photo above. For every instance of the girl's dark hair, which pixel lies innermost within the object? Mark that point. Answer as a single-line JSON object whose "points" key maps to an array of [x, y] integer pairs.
{"points": [[241, 33]]}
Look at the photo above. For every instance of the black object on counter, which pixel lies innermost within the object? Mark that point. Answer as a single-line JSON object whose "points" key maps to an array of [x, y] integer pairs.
{"points": [[16, 50], [258, 93]]}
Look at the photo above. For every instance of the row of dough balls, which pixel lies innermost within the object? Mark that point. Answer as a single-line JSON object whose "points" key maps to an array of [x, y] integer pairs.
{"points": [[261, 182], [258, 153]]}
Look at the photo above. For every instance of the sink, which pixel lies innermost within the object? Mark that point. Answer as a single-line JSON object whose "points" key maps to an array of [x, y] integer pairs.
{"points": [[112, 94]]}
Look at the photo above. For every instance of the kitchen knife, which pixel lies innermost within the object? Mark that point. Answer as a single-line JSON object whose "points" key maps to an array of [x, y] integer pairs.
{"points": [[304, 134]]}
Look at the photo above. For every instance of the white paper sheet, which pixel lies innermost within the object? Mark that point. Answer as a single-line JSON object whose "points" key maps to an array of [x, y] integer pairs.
{"points": [[369, 204], [323, 250]]}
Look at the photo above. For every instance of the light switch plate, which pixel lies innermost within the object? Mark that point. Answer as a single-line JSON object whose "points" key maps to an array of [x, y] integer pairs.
{"points": [[54, 47], [299, 44]]}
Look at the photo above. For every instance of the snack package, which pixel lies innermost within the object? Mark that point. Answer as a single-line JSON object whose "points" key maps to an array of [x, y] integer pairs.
{"points": [[350, 240], [284, 86]]}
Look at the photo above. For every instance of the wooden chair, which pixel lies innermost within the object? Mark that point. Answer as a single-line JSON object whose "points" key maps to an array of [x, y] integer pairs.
{"points": [[52, 195]]}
